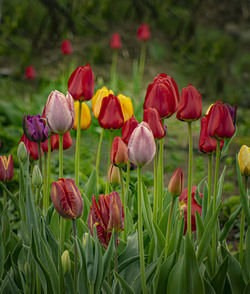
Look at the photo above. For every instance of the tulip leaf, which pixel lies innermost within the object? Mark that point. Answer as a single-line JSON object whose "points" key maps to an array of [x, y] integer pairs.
{"points": [[90, 186], [219, 279], [42, 278], [199, 225], [220, 186], [98, 264], [2, 253], [86, 206], [204, 202], [90, 259], [146, 210], [106, 289], [208, 288], [227, 143], [246, 257], [159, 239], [125, 286], [108, 255], [247, 289], [82, 273], [129, 225], [197, 196]]}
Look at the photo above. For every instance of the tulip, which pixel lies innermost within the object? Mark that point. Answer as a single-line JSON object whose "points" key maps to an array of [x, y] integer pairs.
{"points": [[141, 145], [30, 72], [60, 112], [175, 186], [67, 198], [66, 263], [111, 116], [116, 216], [81, 83], [128, 128], [232, 111], [6, 168], [37, 179], [34, 128], [143, 32], [22, 153], [118, 154], [244, 160], [190, 106], [163, 95], [67, 142], [220, 123], [194, 206], [66, 47], [96, 101], [127, 106], [115, 42], [31, 147], [152, 118], [114, 175], [85, 116]]}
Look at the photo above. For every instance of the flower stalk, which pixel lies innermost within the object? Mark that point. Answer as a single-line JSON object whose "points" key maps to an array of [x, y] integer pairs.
{"points": [[98, 158], [170, 214], [123, 202], [110, 144], [113, 70], [75, 256], [78, 137], [160, 179], [210, 163], [155, 208], [190, 171]]}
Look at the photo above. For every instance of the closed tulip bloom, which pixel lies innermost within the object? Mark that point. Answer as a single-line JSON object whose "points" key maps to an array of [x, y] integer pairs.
{"points": [[163, 95], [60, 112], [190, 106], [81, 83], [67, 198], [118, 153], [141, 145], [114, 175], [220, 123], [143, 32], [85, 116], [32, 147], [128, 129], [30, 72], [127, 106], [152, 118], [6, 168], [244, 160], [96, 101], [66, 47], [116, 213], [115, 42], [111, 116], [67, 142], [176, 183], [34, 128]]}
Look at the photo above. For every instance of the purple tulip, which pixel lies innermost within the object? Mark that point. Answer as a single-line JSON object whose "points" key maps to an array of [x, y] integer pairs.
{"points": [[141, 145], [232, 111], [60, 112], [35, 128]]}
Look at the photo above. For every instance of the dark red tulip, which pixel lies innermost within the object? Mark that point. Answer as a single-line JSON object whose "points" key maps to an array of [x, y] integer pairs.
{"points": [[183, 199], [206, 143], [190, 106], [81, 83], [128, 128], [66, 47], [115, 42], [163, 95], [143, 32], [220, 123], [111, 116], [6, 168], [152, 117], [67, 142], [118, 153], [67, 198], [30, 72], [32, 147]]}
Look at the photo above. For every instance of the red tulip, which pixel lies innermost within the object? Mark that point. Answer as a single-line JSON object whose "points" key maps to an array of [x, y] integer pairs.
{"points": [[67, 198], [152, 117], [163, 95], [30, 72], [111, 116], [143, 32], [175, 186], [66, 47], [183, 199], [118, 153], [115, 42], [81, 83], [128, 128], [32, 147], [190, 106], [220, 123], [67, 142], [6, 168]]}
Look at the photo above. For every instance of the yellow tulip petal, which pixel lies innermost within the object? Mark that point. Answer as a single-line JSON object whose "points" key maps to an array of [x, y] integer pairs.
{"points": [[244, 160], [97, 100], [127, 106], [85, 116]]}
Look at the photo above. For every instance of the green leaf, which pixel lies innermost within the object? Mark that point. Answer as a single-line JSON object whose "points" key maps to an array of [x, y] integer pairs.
{"points": [[218, 281], [41, 277], [197, 196], [246, 257], [89, 259], [2, 253], [199, 225], [86, 206], [220, 186], [146, 210], [106, 289], [90, 186], [98, 264], [227, 143], [82, 273], [125, 286], [208, 288], [204, 201], [247, 289], [129, 221], [159, 239]]}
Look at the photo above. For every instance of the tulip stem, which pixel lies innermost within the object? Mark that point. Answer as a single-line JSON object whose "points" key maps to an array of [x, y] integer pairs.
{"points": [[190, 171], [127, 179], [140, 232], [75, 257], [155, 208], [116, 254], [98, 158], [110, 144], [123, 203], [169, 226], [210, 163], [45, 180], [78, 138], [4, 198], [242, 227], [214, 202], [49, 172], [142, 61], [160, 179], [40, 157], [113, 70]]}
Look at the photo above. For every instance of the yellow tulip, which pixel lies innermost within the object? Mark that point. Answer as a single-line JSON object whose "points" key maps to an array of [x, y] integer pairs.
{"points": [[244, 160], [85, 116], [96, 101], [127, 106]]}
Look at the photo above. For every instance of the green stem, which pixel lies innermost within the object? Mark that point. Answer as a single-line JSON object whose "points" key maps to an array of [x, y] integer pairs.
{"points": [[78, 138], [116, 254], [91, 289], [214, 203], [40, 157], [38, 283], [98, 158], [113, 70], [123, 203], [4, 199], [242, 228], [160, 179], [190, 171], [140, 233], [37, 198], [155, 207], [110, 144], [127, 179], [142, 61], [75, 257], [45, 180], [169, 226], [210, 163], [49, 173]]}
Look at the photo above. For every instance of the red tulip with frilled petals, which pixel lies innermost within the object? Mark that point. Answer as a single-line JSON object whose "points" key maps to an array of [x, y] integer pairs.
{"points": [[152, 117]]}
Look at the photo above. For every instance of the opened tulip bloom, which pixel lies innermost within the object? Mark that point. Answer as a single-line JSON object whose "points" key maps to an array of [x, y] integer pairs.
{"points": [[128, 129], [152, 118], [67, 198], [60, 112], [244, 160], [30, 72], [96, 101], [143, 32], [32, 148], [115, 42], [6, 168], [85, 116], [81, 83], [118, 154], [127, 106], [66, 47], [190, 106], [176, 183], [34, 128]]}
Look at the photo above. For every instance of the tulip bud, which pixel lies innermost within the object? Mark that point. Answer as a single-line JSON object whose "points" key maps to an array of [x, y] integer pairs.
{"points": [[85, 116], [128, 129], [244, 160], [34, 128], [115, 42], [30, 72], [175, 186], [66, 47], [116, 218], [6, 168], [114, 175], [66, 263], [152, 118], [22, 153], [84, 239], [37, 179], [127, 106], [118, 153], [141, 146], [67, 198], [143, 32]]}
